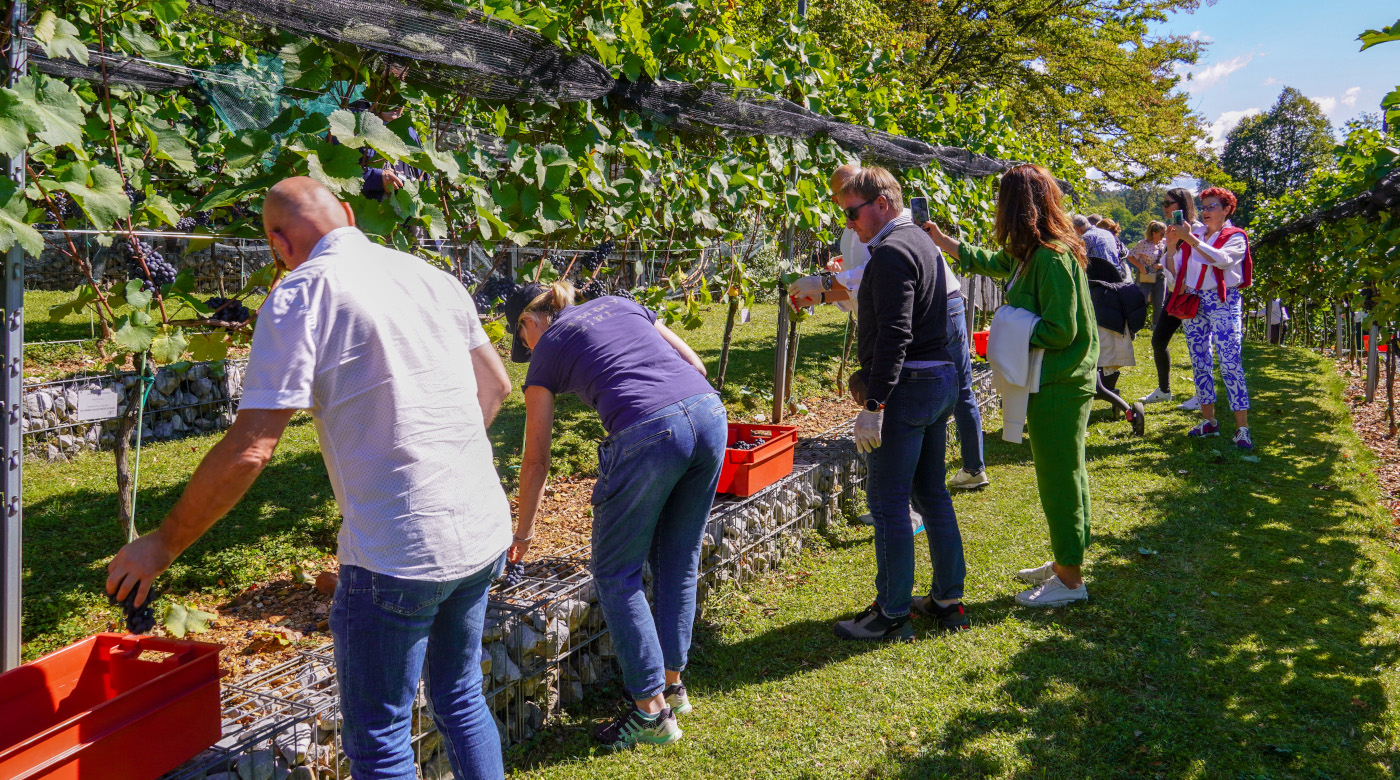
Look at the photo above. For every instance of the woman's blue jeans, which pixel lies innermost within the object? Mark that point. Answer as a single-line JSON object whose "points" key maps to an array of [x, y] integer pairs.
{"points": [[967, 415], [656, 484], [385, 628], [909, 464]]}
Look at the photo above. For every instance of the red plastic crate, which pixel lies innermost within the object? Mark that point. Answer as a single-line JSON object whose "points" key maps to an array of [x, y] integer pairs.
{"points": [[97, 709], [746, 472], [979, 342]]}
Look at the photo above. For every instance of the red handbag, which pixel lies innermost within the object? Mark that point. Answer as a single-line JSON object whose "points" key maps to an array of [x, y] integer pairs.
{"points": [[1184, 306]]}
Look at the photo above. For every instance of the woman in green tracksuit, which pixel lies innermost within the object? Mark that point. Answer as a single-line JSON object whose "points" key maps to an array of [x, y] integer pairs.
{"points": [[1044, 260]]}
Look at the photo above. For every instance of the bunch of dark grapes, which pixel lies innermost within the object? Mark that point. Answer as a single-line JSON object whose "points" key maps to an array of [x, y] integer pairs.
{"points": [[497, 288], [467, 278], [139, 620], [594, 289], [64, 207], [162, 272], [625, 294], [599, 255], [559, 262], [203, 218], [748, 445], [228, 310], [134, 195], [185, 225], [513, 574]]}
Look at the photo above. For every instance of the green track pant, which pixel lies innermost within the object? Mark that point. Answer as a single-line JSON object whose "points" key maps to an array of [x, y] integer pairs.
{"points": [[1057, 418]]}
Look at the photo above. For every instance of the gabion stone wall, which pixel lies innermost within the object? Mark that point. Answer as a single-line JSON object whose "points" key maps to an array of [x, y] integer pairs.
{"points": [[200, 399], [226, 263], [545, 643]]}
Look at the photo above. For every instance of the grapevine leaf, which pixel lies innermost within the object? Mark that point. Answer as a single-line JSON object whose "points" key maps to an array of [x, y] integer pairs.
{"points": [[236, 193], [60, 111], [133, 337], [17, 121], [189, 300], [495, 330], [169, 345], [59, 311], [246, 147], [184, 282], [259, 278], [1384, 35], [136, 296], [100, 193], [206, 347], [181, 620], [373, 217], [167, 144], [14, 228], [305, 66], [337, 167], [366, 129], [59, 38], [160, 207]]}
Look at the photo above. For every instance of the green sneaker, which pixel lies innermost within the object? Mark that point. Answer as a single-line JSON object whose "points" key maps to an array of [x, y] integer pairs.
{"points": [[635, 726], [676, 699]]}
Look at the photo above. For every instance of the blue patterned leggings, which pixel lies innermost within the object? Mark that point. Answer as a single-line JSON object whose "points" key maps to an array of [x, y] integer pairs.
{"points": [[1217, 325]]}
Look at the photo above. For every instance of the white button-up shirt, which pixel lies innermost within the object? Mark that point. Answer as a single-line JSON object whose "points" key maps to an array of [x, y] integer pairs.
{"points": [[377, 345], [1228, 258], [856, 253]]}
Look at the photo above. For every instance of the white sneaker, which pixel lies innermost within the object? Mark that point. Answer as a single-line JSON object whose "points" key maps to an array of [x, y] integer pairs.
{"points": [[965, 481], [1052, 593], [1155, 397], [1189, 405], [918, 519], [1038, 574]]}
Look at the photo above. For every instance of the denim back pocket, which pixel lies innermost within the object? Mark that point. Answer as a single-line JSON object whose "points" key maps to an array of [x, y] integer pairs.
{"points": [[924, 399], [405, 597]]}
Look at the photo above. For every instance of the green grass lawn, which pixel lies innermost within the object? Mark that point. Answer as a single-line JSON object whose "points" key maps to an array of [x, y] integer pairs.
{"points": [[1257, 641]]}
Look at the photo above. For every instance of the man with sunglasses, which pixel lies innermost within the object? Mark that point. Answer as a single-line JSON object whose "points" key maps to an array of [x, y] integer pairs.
{"points": [[389, 356], [907, 386], [839, 286]]}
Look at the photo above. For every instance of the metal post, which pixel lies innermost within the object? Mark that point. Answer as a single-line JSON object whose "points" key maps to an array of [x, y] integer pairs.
{"points": [[1337, 309], [780, 358], [12, 400], [1373, 363]]}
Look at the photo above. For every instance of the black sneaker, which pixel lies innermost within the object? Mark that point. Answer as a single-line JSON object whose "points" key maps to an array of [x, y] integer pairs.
{"points": [[874, 625], [950, 618], [634, 726]]}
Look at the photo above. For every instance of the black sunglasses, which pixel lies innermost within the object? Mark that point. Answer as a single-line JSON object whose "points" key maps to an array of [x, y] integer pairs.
{"points": [[853, 212]]}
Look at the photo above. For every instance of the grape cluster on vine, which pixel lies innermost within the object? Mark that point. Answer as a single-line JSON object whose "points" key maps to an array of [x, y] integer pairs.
{"points": [[594, 289], [559, 262], [599, 255], [625, 294], [139, 620], [63, 208], [228, 310], [162, 272], [467, 278], [497, 288], [134, 195], [198, 219]]}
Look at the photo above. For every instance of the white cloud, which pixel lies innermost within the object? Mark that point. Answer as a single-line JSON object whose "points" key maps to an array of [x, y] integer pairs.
{"points": [[1270, 81], [1330, 103], [1327, 104], [1197, 35], [1226, 122], [1207, 77], [1349, 97]]}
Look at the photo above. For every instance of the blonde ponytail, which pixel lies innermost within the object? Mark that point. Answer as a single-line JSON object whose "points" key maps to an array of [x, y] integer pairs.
{"points": [[558, 297]]}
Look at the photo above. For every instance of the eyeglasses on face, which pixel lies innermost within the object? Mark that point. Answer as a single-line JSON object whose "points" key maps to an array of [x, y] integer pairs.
{"points": [[1166, 204], [1206, 208], [853, 212]]}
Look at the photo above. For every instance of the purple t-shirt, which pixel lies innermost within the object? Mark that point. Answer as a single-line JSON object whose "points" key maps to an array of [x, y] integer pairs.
{"points": [[607, 352]]}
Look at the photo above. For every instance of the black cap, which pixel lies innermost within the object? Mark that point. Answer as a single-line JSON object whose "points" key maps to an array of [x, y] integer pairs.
{"points": [[515, 306]]}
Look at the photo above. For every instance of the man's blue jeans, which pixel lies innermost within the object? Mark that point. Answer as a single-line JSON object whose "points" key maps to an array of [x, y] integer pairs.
{"points": [[385, 628], [966, 414], [656, 484], [907, 465]]}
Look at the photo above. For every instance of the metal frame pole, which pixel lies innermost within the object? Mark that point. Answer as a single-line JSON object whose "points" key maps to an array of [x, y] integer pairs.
{"points": [[12, 400], [780, 357]]}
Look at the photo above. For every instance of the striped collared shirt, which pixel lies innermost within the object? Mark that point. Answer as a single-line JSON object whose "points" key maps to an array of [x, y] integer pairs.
{"points": [[902, 219]]}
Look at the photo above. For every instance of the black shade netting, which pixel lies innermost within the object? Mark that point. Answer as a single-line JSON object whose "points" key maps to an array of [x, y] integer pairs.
{"points": [[457, 48], [471, 53], [1384, 197], [123, 71]]}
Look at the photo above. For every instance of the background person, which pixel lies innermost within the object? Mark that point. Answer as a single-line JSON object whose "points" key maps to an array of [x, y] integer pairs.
{"points": [[1215, 269], [1112, 227], [1044, 259], [838, 287], [1120, 310], [1176, 199], [657, 473], [389, 356], [1278, 318], [1146, 257], [907, 386]]}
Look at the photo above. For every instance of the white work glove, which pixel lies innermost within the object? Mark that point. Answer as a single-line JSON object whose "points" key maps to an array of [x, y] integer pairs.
{"points": [[868, 430], [806, 287]]}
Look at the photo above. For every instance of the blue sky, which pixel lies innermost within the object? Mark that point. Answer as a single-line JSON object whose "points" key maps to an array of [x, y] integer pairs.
{"points": [[1257, 47]]}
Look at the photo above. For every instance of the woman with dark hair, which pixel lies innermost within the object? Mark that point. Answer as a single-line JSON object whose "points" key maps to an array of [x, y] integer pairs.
{"points": [[1043, 258], [1215, 265], [1176, 199], [657, 472]]}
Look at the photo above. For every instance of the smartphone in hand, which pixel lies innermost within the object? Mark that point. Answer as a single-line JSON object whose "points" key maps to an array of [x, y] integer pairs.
{"points": [[918, 210], [1178, 217]]}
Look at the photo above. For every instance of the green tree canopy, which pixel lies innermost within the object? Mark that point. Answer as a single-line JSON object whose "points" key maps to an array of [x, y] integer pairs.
{"points": [[1277, 151]]}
